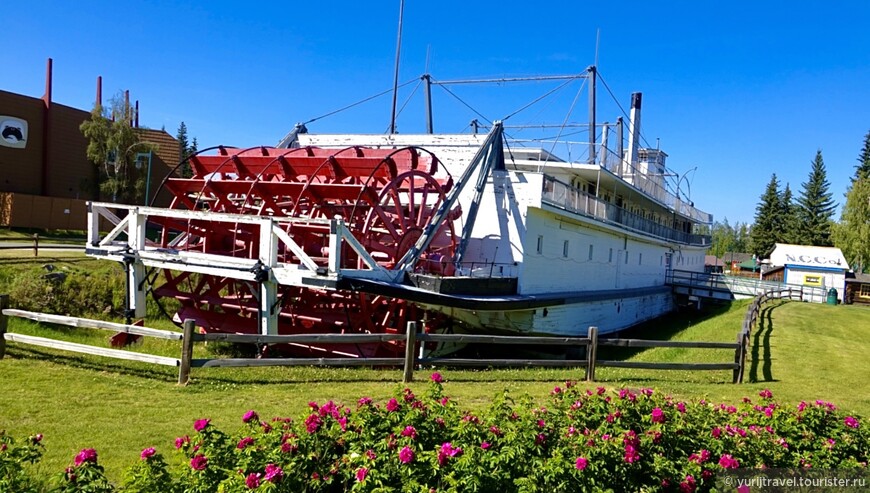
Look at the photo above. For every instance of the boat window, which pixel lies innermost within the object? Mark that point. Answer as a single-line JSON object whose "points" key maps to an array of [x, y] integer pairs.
{"points": [[565, 249], [590, 252], [540, 244], [610, 256], [626, 257], [640, 259]]}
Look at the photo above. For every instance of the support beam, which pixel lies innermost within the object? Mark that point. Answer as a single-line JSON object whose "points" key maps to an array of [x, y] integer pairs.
{"points": [[136, 274], [268, 256]]}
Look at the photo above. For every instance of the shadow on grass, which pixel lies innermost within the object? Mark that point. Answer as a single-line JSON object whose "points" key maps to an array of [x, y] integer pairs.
{"points": [[760, 353], [660, 329]]}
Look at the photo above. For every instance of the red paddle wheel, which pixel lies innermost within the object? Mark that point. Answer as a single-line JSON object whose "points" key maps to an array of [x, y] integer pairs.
{"points": [[386, 197]]}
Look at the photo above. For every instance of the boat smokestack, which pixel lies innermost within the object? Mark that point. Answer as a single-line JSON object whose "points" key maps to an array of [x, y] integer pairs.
{"points": [[634, 128]]}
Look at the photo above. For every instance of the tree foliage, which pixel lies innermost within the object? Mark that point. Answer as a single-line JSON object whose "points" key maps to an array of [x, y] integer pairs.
{"points": [[112, 147], [790, 220], [767, 229], [185, 148], [815, 207], [727, 238], [852, 234], [862, 170]]}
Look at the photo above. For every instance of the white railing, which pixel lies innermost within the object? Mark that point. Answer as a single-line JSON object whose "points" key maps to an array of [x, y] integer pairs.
{"points": [[126, 243]]}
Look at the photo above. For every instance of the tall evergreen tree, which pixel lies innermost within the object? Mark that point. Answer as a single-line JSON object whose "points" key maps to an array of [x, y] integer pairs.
{"points": [[789, 217], [852, 234], [767, 230], [184, 150], [862, 170], [816, 207]]}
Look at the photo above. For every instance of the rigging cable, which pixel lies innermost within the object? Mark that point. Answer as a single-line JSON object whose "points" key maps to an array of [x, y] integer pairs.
{"points": [[358, 102], [464, 103], [408, 100]]}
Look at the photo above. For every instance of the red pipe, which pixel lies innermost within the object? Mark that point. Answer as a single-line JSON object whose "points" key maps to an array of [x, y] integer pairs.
{"points": [[46, 130]]}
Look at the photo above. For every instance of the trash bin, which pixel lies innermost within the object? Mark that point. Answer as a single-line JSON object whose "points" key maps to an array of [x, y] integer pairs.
{"points": [[832, 296]]}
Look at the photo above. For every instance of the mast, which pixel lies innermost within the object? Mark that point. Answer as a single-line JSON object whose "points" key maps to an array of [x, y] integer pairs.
{"points": [[592, 71], [396, 75], [428, 80]]}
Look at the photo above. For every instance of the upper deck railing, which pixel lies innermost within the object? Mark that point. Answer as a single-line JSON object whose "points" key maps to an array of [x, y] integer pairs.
{"points": [[564, 196]]}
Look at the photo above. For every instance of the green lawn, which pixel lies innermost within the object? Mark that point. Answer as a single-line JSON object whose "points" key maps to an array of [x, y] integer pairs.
{"points": [[800, 352]]}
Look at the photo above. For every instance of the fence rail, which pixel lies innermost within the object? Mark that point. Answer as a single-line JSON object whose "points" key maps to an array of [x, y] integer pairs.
{"points": [[412, 339]]}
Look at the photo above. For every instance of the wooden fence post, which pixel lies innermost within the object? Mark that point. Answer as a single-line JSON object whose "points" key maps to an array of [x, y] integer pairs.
{"points": [[35, 244], [739, 359], [591, 354], [410, 349], [4, 303], [186, 352]]}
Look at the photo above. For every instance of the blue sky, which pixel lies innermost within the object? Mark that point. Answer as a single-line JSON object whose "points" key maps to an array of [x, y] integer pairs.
{"points": [[739, 89]]}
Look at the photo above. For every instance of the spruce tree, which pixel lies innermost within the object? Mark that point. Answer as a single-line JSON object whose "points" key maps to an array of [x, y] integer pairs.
{"points": [[789, 217], [862, 170], [815, 207], [184, 150], [766, 231]]}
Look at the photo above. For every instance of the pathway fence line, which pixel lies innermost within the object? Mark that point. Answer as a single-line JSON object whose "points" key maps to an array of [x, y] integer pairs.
{"points": [[413, 339]]}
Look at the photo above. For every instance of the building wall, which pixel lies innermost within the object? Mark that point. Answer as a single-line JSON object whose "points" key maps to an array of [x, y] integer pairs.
{"points": [[69, 173], [20, 169], [826, 279]]}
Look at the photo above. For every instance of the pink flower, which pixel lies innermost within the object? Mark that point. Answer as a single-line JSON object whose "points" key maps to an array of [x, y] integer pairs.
{"points": [[658, 416], [406, 455], [409, 431], [701, 457], [631, 454], [364, 401], [444, 400], [556, 390], [600, 390], [447, 450], [244, 442], [485, 445], [199, 462], [851, 422], [86, 455], [436, 377], [361, 474], [766, 394], [728, 462], [181, 441], [37, 438], [688, 486], [716, 432], [288, 447], [371, 454], [393, 405], [681, 407], [201, 424], [581, 463], [313, 422], [252, 481], [273, 473], [743, 488], [148, 453], [250, 416]]}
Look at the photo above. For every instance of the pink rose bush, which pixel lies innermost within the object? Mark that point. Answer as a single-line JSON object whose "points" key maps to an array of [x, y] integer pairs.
{"points": [[577, 440]]}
